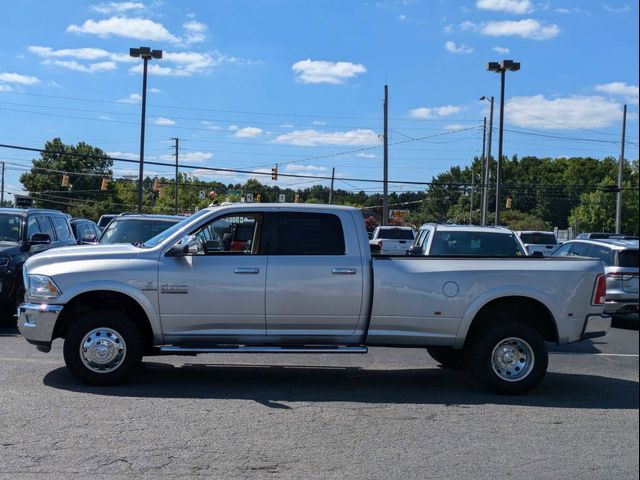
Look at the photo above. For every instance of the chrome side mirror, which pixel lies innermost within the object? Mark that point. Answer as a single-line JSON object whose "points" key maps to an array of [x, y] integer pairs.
{"points": [[188, 245]]}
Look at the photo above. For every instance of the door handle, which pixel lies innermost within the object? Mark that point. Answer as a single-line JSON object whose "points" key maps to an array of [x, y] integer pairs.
{"points": [[246, 271], [343, 271]]}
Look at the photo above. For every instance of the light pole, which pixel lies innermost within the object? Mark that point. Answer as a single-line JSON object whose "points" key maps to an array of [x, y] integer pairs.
{"points": [[501, 68], [487, 160], [146, 53]]}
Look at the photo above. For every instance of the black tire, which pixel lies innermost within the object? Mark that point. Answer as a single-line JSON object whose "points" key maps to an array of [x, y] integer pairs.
{"points": [[455, 359], [122, 343], [519, 368]]}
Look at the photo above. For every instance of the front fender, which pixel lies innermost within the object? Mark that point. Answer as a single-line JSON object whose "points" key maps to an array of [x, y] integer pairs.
{"points": [[503, 292], [119, 287]]}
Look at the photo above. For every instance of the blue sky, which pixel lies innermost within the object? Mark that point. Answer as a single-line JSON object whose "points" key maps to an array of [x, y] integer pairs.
{"points": [[250, 84]]}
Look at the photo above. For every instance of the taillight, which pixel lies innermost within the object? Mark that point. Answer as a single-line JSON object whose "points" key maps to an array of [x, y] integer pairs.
{"points": [[621, 276], [600, 291], [380, 243]]}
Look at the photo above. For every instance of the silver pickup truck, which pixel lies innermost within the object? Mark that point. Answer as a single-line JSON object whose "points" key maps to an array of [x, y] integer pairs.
{"points": [[304, 281]]}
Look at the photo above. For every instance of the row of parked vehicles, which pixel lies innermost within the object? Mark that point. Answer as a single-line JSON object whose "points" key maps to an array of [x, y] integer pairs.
{"points": [[619, 253]]}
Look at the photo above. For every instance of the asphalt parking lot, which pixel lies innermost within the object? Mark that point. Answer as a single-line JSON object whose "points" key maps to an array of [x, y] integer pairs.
{"points": [[388, 414]]}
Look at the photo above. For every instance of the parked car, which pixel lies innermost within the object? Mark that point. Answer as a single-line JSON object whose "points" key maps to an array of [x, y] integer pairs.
{"points": [[136, 227], [104, 220], [620, 259], [534, 241], [393, 240], [25, 232], [466, 241], [85, 231], [602, 235], [307, 284]]}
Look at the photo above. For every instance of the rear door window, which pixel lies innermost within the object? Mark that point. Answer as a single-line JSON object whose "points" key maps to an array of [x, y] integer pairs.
{"points": [[309, 234], [603, 253], [62, 228], [47, 227], [580, 249], [33, 227]]}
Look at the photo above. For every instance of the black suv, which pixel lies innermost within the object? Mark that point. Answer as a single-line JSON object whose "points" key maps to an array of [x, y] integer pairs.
{"points": [[24, 233]]}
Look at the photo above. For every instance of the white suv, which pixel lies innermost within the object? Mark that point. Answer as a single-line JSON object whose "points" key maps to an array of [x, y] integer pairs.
{"points": [[534, 241]]}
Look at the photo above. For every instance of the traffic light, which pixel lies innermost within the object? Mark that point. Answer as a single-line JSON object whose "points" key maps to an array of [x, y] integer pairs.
{"points": [[65, 180], [274, 173], [156, 185], [508, 203], [105, 184]]}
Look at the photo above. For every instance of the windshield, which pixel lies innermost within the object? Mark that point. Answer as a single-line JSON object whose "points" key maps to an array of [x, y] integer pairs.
{"points": [[10, 227], [480, 244], [539, 238], [161, 237], [130, 230], [396, 234]]}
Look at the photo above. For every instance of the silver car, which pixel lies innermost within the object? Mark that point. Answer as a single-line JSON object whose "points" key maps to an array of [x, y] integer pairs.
{"points": [[620, 258]]}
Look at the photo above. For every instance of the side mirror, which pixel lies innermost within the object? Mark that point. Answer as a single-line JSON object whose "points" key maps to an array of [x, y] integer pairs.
{"points": [[414, 250], [189, 245], [40, 239], [89, 239]]}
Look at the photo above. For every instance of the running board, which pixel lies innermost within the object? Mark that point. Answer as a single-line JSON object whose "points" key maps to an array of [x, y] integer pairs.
{"points": [[258, 349]]}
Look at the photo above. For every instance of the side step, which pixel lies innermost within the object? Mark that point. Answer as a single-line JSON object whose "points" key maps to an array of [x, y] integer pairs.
{"points": [[260, 349]]}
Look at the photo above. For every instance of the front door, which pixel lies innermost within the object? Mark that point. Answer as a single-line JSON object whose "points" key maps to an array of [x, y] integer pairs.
{"points": [[217, 293]]}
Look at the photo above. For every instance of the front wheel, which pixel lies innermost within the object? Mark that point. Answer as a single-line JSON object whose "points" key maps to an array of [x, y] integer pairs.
{"points": [[102, 348], [509, 358]]}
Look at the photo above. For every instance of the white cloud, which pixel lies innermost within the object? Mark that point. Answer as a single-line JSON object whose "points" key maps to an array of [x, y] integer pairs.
{"points": [[286, 125], [623, 9], [630, 92], [85, 68], [248, 132], [319, 122], [19, 79], [195, 32], [562, 113], [185, 64], [305, 168], [234, 128], [501, 50], [453, 48], [138, 28], [529, 28], [163, 121], [155, 90], [105, 117], [210, 126], [132, 98], [5, 88], [79, 53], [319, 71], [508, 6], [455, 126], [402, 17], [195, 157], [365, 155], [313, 138], [125, 155], [432, 112], [117, 7]]}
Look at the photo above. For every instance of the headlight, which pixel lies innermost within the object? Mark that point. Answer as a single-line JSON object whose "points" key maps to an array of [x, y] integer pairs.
{"points": [[41, 286]]}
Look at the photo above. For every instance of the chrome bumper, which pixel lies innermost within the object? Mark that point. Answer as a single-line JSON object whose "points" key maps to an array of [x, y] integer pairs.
{"points": [[36, 323], [596, 325]]}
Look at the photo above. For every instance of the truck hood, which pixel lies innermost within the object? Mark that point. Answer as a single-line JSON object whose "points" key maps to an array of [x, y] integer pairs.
{"points": [[82, 253]]}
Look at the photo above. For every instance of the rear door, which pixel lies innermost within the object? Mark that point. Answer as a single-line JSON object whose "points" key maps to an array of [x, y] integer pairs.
{"points": [[315, 276]]}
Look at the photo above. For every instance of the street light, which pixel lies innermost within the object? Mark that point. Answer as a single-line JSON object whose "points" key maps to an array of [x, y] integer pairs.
{"points": [[146, 53], [486, 160], [501, 68]]}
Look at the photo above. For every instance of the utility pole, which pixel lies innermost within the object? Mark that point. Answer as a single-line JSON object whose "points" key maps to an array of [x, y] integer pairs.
{"points": [[471, 198], [620, 174], [385, 188], [177, 146], [484, 167], [2, 188], [333, 175], [487, 170]]}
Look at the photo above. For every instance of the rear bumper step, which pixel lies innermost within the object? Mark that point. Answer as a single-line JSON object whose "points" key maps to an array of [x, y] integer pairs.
{"points": [[173, 349]]}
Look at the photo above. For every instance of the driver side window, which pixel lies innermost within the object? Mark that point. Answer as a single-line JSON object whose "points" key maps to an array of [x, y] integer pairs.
{"points": [[232, 234]]}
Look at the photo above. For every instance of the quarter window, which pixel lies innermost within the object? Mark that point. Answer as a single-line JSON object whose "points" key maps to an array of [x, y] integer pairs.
{"points": [[309, 234], [62, 228]]}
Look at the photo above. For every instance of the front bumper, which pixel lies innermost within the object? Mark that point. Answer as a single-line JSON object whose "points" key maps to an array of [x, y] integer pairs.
{"points": [[596, 325], [36, 323]]}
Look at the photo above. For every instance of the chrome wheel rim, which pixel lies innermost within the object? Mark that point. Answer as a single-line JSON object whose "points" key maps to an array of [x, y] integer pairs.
{"points": [[103, 350], [512, 359]]}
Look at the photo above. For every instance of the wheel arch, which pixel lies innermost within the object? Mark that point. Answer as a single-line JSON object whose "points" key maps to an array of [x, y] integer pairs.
{"points": [[529, 310], [107, 299]]}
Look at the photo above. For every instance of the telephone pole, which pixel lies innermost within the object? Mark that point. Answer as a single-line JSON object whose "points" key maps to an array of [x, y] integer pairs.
{"points": [[620, 174], [333, 175], [177, 144], [484, 167], [385, 188], [2, 188], [487, 171]]}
